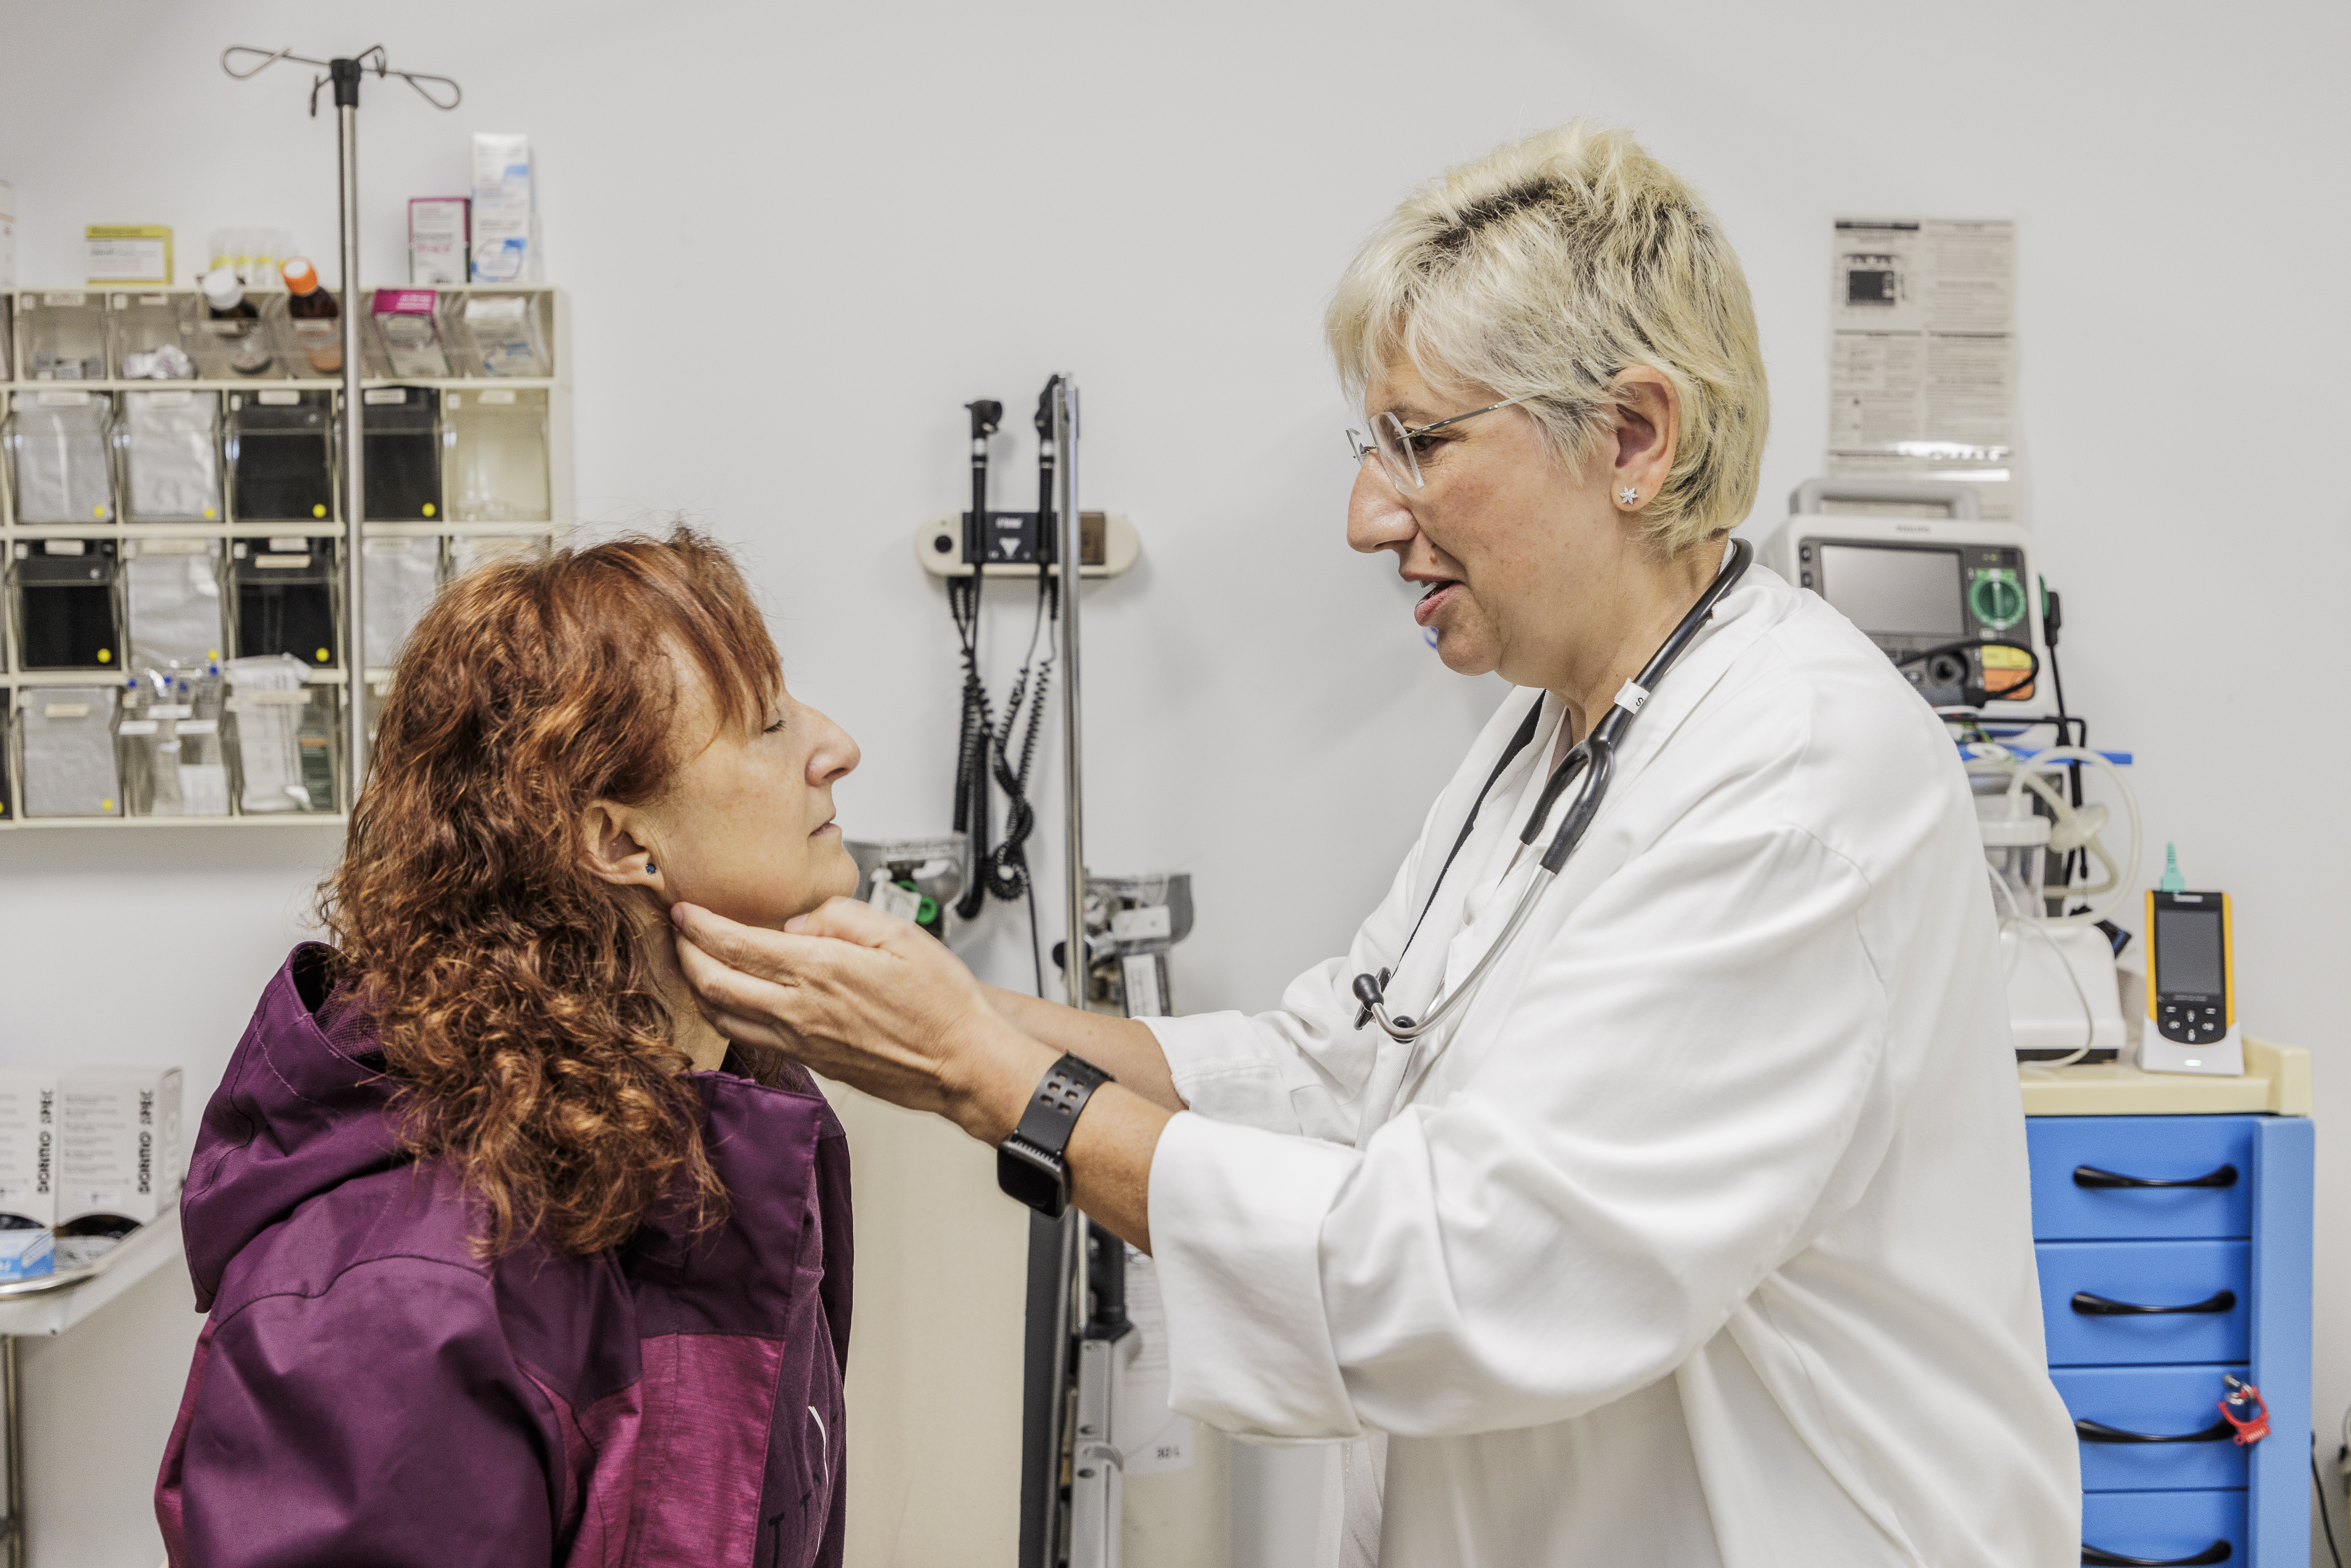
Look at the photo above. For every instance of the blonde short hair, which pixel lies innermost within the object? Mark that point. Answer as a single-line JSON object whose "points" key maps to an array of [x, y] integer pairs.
{"points": [[1544, 269]]}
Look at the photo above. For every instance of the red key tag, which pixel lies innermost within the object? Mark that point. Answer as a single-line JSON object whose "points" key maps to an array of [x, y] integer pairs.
{"points": [[2245, 1410]]}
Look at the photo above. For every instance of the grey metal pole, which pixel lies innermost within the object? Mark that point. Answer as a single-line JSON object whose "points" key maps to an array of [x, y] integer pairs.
{"points": [[346, 77], [1065, 445], [12, 1397]]}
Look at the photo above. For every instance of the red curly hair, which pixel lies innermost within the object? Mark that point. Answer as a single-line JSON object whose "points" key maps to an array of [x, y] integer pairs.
{"points": [[512, 988]]}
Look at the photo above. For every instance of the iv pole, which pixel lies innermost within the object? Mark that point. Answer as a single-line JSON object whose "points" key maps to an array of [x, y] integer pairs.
{"points": [[343, 75]]}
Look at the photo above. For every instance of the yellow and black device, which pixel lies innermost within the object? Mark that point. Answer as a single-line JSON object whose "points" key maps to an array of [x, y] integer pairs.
{"points": [[2191, 987]]}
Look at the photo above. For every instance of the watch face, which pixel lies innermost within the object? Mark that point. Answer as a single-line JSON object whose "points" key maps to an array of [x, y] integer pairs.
{"points": [[1036, 1179]]}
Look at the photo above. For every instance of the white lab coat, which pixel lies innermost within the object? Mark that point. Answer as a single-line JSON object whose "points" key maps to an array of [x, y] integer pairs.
{"points": [[1706, 1239]]}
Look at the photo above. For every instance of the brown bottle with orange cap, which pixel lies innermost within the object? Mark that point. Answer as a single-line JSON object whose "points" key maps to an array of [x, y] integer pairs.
{"points": [[317, 318]]}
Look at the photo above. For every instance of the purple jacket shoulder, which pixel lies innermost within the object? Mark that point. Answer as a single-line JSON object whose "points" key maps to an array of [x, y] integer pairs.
{"points": [[368, 1390]]}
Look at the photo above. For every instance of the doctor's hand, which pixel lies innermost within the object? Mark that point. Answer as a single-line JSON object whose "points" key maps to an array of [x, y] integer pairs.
{"points": [[868, 1000], [878, 1004]]}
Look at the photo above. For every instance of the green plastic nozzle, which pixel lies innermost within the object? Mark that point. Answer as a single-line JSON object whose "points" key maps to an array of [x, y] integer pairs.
{"points": [[2172, 880]]}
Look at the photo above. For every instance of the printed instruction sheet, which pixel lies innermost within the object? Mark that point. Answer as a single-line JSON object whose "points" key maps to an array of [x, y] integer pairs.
{"points": [[1922, 354]]}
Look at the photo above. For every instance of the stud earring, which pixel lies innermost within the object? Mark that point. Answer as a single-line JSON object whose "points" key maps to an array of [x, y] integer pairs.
{"points": [[649, 868], [1628, 495]]}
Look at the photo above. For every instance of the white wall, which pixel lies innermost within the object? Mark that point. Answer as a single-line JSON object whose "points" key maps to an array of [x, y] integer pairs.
{"points": [[798, 237]]}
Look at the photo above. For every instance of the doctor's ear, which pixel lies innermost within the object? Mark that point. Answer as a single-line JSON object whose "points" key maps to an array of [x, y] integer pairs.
{"points": [[1648, 426], [609, 845]]}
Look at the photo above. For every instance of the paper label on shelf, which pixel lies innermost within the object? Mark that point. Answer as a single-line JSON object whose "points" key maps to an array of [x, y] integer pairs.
{"points": [[172, 710], [64, 547], [281, 562], [378, 396], [1922, 355], [495, 308], [55, 300], [198, 727], [497, 395], [66, 710], [62, 399], [289, 542], [278, 399], [135, 728], [1142, 924]]}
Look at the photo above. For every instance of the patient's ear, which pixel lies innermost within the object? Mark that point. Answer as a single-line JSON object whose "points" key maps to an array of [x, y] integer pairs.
{"points": [[610, 846]]}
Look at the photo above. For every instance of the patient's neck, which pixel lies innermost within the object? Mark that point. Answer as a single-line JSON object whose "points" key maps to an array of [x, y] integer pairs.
{"points": [[689, 1031]]}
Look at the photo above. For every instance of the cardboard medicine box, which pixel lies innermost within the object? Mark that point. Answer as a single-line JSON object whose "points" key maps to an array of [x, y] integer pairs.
{"points": [[117, 1142], [28, 1145]]}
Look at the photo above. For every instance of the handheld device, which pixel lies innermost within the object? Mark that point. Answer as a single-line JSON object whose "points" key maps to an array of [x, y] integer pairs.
{"points": [[2191, 987], [1953, 601]]}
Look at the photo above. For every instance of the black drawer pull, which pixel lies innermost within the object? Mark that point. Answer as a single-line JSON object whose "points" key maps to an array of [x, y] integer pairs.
{"points": [[2216, 1553], [2091, 1176], [2099, 1432], [2100, 1307]]}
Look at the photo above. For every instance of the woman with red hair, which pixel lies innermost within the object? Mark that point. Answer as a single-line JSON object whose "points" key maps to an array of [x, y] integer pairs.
{"points": [[509, 1257]]}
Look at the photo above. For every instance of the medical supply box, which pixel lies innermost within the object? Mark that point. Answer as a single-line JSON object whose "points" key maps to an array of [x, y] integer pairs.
{"points": [[117, 1142]]}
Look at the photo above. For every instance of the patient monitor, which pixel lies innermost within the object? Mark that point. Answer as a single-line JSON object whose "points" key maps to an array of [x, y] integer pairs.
{"points": [[1953, 600]]}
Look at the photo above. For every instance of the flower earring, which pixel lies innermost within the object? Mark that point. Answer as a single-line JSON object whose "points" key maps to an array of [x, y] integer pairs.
{"points": [[649, 868], [1628, 495]]}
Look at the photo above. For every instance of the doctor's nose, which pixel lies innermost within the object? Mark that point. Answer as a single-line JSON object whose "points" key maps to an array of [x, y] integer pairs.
{"points": [[1377, 519]]}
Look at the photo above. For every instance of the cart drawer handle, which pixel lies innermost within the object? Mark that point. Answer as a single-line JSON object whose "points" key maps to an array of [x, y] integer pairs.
{"points": [[2099, 1432], [2216, 1553], [2091, 1176], [2100, 1306]]}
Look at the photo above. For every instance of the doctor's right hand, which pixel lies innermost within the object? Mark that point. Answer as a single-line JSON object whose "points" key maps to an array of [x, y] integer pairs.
{"points": [[869, 1000]]}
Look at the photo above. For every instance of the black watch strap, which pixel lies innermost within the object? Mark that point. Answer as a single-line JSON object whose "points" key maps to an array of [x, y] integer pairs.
{"points": [[1029, 1164]]}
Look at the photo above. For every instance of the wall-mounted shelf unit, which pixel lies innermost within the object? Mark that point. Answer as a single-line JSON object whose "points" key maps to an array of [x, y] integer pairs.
{"points": [[140, 512]]}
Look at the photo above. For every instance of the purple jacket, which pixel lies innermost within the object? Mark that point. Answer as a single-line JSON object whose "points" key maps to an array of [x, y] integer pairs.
{"points": [[367, 1391]]}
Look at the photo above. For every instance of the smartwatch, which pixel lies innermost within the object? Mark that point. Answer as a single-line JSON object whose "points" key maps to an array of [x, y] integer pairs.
{"points": [[1030, 1163]]}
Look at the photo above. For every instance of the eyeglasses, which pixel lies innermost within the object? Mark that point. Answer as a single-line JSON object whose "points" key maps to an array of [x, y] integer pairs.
{"points": [[1395, 444]]}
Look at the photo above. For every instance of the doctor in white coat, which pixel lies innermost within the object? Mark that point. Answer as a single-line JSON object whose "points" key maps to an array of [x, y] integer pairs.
{"points": [[1699, 1234]]}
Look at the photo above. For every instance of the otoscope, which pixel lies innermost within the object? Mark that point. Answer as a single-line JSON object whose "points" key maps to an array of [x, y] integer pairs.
{"points": [[976, 728]]}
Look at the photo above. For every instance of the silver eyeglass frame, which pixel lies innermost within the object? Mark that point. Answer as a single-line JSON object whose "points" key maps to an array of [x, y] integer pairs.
{"points": [[1407, 478]]}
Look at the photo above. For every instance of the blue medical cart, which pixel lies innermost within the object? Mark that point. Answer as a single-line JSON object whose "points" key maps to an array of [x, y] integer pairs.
{"points": [[2171, 1217]]}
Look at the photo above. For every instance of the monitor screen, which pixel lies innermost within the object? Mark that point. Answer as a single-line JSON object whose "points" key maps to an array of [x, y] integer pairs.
{"points": [[2188, 951], [1896, 592]]}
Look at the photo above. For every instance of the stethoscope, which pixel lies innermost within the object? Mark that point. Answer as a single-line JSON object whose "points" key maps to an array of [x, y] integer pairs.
{"points": [[1593, 759]]}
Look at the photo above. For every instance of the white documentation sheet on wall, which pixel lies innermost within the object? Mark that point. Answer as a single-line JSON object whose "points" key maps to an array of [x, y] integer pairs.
{"points": [[1154, 1438], [1922, 354]]}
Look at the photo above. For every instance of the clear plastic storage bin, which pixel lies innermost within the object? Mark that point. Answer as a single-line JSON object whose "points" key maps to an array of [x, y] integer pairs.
{"points": [[402, 428], [287, 595], [496, 439], [406, 333], [504, 334], [67, 609], [169, 746], [155, 336], [62, 337], [57, 444], [171, 456], [285, 750], [280, 448], [67, 745], [402, 576], [172, 591]]}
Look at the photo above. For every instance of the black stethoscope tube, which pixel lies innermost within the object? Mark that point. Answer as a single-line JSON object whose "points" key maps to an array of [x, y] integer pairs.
{"points": [[1593, 761]]}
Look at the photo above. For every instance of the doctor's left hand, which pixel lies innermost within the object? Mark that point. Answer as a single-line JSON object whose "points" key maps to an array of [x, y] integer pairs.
{"points": [[868, 1000]]}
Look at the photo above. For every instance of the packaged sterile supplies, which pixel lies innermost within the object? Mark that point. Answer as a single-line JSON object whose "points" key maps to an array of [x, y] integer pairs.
{"points": [[27, 1252], [440, 240], [28, 1098], [505, 234], [117, 1142]]}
